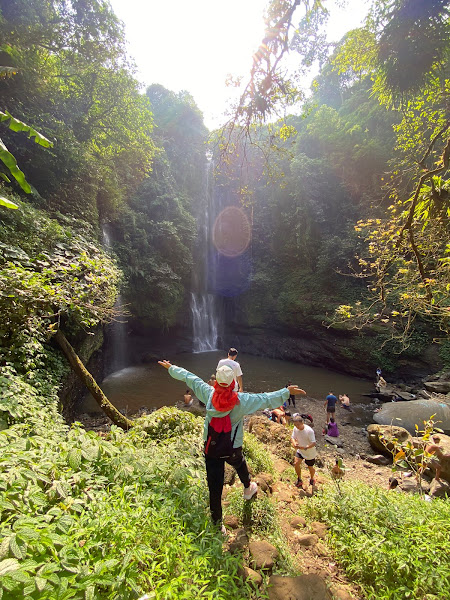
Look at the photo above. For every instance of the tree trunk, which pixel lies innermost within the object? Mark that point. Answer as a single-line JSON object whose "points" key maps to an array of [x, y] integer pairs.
{"points": [[116, 416]]}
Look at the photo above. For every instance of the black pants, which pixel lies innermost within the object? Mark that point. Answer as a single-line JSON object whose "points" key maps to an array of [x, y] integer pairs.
{"points": [[215, 473]]}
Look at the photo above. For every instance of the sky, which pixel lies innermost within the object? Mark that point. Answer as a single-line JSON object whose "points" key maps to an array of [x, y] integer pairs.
{"points": [[194, 45]]}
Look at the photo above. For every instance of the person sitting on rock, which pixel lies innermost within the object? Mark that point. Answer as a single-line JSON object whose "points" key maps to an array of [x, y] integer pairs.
{"points": [[345, 402], [332, 428], [188, 400], [381, 384], [279, 415], [435, 449]]}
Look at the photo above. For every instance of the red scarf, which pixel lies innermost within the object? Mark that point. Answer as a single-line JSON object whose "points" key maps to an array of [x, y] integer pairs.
{"points": [[224, 398]]}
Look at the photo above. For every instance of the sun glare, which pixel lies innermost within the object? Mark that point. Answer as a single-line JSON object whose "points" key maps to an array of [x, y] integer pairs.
{"points": [[195, 46]]}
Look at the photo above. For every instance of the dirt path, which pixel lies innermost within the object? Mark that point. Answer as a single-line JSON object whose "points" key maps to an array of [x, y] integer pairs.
{"points": [[306, 541]]}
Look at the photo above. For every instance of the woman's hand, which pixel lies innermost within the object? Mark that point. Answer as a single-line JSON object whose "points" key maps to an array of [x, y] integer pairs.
{"points": [[295, 391], [165, 363]]}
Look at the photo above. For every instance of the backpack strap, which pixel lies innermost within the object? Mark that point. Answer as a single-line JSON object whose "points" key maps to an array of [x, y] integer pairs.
{"points": [[235, 434]]}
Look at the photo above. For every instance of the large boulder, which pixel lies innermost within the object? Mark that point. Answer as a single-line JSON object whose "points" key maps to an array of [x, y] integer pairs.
{"points": [[441, 387], [415, 412], [387, 432]]}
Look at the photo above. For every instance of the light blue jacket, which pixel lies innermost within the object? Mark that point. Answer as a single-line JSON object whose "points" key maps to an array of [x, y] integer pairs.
{"points": [[248, 403]]}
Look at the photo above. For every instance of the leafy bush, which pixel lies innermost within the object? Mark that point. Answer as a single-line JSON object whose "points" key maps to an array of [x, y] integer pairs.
{"points": [[169, 422], [256, 455], [395, 545], [88, 518], [48, 272]]}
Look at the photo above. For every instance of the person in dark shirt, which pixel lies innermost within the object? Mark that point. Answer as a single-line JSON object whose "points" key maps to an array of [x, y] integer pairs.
{"points": [[330, 405]]}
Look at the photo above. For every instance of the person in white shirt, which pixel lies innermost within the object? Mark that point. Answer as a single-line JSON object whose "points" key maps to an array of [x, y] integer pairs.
{"points": [[303, 440], [231, 362]]}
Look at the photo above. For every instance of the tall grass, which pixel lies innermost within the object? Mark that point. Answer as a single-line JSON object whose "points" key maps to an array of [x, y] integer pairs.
{"points": [[397, 546], [89, 518]]}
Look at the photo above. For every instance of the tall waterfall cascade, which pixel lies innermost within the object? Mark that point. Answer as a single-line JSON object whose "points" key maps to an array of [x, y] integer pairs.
{"points": [[119, 355], [204, 309]]}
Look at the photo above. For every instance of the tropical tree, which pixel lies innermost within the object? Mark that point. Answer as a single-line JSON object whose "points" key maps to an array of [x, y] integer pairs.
{"points": [[408, 258]]}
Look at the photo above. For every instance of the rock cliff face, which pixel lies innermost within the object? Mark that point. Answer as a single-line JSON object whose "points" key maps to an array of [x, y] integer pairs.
{"points": [[341, 351]]}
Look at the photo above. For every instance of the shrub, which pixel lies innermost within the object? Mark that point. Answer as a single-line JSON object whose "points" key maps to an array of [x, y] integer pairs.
{"points": [[89, 518], [395, 545], [256, 455], [169, 422]]}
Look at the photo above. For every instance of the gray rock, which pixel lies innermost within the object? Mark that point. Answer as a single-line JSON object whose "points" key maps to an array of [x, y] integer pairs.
{"points": [[388, 432], [441, 387], [409, 485], [240, 541], [320, 529], [262, 484], [230, 475], [302, 587], [408, 414], [378, 459], [333, 440], [231, 521], [298, 523]]}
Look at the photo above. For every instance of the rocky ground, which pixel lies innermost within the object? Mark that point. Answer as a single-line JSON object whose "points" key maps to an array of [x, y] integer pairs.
{"points": [[322, 578]]}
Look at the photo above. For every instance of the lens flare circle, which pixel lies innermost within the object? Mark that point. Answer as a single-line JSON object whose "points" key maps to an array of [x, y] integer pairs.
{"points": [[231, 233]]}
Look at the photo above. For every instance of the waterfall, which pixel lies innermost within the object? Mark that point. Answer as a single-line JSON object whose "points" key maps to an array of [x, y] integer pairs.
{"points": [[204, 322], [204, 309], [117, 336]]}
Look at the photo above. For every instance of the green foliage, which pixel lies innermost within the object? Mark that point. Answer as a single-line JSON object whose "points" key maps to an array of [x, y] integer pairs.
{"points": [[412, 454], [86, 517], [75, 83], [168, 422], [154, 236], [9, 160], [48, 272], [260, 513], [8, 203], [395, 546], [256, 455], [444, 353], [413, 43]]}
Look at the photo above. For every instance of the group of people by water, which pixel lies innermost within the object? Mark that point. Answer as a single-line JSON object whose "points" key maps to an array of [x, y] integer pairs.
{"points": [[226, 406]]}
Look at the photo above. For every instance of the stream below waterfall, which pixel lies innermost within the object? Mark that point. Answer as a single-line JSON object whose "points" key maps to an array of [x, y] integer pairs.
{"points": [[150, 385]]}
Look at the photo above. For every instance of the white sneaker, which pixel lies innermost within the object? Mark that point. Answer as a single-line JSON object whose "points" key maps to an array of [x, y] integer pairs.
{"points": [[250, 491]]}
